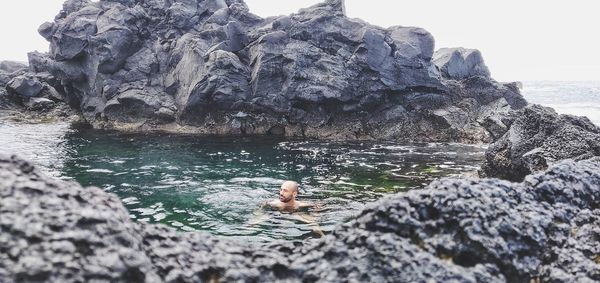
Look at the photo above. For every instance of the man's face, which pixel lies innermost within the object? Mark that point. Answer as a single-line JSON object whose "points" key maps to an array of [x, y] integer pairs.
{"points": [[287, 193]]}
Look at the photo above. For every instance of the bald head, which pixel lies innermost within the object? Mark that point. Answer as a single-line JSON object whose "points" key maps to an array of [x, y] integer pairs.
{"points": [[290, 185], [288, 192]]}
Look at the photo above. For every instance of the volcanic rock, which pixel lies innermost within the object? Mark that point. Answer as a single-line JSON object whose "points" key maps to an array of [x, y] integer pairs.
{"points": [[460, 63], [39, 104], [192, 65], [25, 86], [537, 138], [471, 230]]}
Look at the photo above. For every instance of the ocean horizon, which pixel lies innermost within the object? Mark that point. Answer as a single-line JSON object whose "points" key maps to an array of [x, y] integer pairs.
{"points": [[580, 98]]}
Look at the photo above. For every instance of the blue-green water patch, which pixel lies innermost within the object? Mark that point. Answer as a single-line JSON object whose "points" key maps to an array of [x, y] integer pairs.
{"points": [[217, 184]]}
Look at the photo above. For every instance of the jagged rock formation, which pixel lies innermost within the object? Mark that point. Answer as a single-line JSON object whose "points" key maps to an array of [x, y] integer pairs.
{"points": [[538, 137], [24, 92], [546, 228], [210, 66], [460, 63], [8, 70]]}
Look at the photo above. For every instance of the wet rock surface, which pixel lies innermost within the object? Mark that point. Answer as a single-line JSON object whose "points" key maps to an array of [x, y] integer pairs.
{"points": [[538, 137], [466, 230], [191, 66]]}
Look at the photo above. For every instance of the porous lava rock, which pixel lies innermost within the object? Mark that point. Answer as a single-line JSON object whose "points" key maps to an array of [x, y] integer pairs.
{"points": [[538, 137], [545, 229]]}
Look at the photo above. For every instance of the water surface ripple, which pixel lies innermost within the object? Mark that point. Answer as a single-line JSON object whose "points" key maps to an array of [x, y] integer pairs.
{"points": [[217, 184]]}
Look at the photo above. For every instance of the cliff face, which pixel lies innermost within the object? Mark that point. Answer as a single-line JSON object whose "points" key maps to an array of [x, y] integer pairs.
{"points": [[210, 66], [546, 228]]}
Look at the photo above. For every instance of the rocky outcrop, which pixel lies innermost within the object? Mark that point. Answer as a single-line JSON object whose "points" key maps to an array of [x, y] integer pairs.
{"points": [[31, 95], [193, 65], [25, 86], [460, 63], [479, 230], [538, 137]]}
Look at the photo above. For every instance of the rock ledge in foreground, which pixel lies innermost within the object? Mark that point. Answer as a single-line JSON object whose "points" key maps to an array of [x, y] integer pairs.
{"points": [[466, 230]]}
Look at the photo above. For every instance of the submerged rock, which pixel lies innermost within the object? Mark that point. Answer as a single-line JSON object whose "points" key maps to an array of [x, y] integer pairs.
{"points": [[315, 73], [537, 138], [472, 230]]}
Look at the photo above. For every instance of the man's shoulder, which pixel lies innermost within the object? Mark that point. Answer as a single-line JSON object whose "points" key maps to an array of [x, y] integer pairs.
{"points": [[274, 203], [303, 204]]}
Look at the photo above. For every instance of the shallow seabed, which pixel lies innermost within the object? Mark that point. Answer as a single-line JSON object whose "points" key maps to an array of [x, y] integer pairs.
{"points": [[217, 184]]}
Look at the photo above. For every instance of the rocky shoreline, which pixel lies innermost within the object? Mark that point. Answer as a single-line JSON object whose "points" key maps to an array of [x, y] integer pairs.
{"points": [[537, 137], [546, 228], [212, 67]]}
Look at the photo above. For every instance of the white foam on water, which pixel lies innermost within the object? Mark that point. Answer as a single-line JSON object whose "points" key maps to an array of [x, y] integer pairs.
{"points": [[264, 180], [99, 170]]}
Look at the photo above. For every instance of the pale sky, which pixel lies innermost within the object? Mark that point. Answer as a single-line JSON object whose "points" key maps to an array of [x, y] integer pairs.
{"points": [[520, 39]]}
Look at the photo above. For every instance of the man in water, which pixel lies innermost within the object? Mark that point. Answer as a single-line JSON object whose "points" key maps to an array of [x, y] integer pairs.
{"points": [[287, 202], [287, 198]]}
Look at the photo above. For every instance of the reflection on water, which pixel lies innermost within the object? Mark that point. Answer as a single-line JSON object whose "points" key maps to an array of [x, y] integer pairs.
{"points": [[217, 184]]}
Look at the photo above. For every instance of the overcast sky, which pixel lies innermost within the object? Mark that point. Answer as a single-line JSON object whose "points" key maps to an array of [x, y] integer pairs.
{"points": [[520, 40]]}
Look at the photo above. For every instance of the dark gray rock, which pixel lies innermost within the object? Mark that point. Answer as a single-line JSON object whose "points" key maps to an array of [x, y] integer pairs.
{"points": [[315, 73], [460, 63], [25, 86], [470, 230], [33, 94], [39, 104], [63, 233], [46, 30], [135, 105], [6, 103], [537, 138], [72, 36]]}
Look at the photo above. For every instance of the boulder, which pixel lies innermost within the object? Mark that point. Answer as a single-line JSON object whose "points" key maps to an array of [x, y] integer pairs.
{"points": [[461, 230], [86, 231], [73, 32], [25, 86], [39, 104], [537, 138], [460, 63], [46, 30], [411, 42]]}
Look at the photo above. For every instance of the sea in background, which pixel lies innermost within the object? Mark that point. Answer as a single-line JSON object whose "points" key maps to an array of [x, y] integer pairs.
{"points": [[568, 97]]}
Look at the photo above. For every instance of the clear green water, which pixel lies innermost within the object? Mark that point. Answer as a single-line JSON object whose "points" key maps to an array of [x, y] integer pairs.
{"points": [[217, 184]]}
